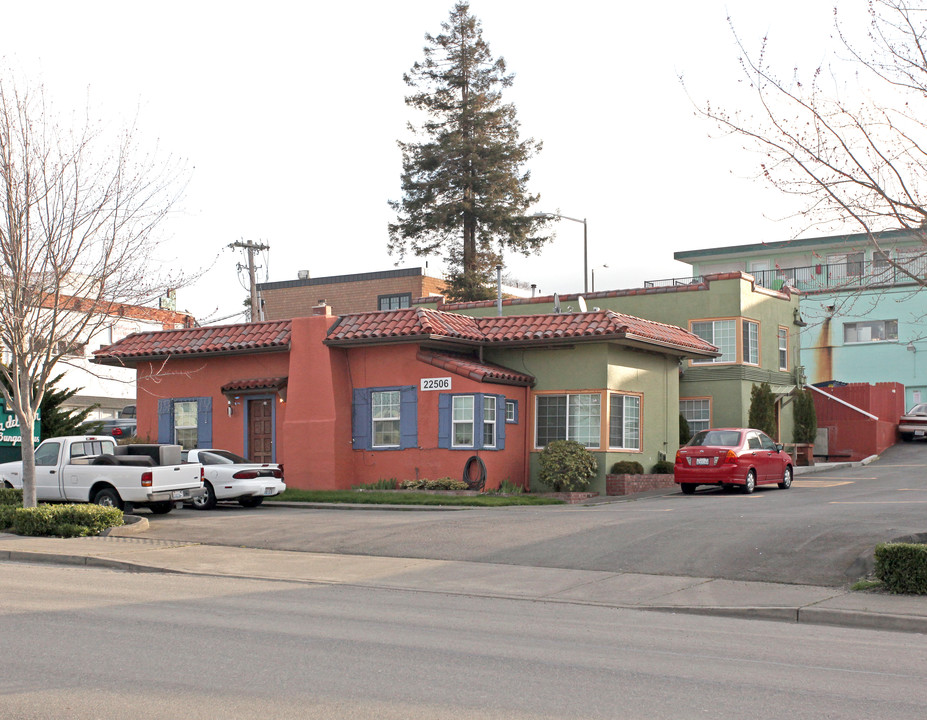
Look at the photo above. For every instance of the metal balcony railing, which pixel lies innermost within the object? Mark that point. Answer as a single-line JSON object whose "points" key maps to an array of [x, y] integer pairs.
{"points": [[835, 276]]}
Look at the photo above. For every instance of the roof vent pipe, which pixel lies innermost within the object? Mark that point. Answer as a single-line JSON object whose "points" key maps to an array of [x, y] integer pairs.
{"points": [[499, 290]]}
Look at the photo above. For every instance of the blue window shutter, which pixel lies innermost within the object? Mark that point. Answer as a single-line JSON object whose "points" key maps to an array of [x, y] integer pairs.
{"points": [[204, 422], [408, 417], [165, 421], [500, 422], [477, 422], [361, 420], [444, 420]]}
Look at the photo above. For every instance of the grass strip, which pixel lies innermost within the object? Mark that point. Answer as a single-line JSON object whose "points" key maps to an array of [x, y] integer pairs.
{"points": [[373, 497]]}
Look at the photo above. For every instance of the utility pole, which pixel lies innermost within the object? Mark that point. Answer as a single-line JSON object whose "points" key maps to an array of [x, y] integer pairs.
{"points": [[251, 248]]}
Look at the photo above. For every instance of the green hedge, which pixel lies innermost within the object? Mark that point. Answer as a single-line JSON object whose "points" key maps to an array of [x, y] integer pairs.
{"points": [[627, 467], [9, 496], [60, 520], [567, 466], [902, 567]]}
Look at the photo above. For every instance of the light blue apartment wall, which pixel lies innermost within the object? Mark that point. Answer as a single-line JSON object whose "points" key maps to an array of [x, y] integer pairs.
{"points": [[826, 356]]}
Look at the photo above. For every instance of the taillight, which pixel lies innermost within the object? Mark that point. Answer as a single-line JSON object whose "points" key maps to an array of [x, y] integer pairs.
{"points": [[730, 457], [202, 474], [245, 475], [281, 470], [678, 458], [146, 479], [117, 432]]}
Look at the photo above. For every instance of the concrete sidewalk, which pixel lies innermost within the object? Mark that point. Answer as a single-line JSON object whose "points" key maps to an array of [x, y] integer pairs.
{"points": [[752, 600]]}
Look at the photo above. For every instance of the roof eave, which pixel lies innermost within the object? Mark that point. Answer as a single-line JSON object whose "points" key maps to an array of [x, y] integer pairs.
{"points": [[128, 361]]}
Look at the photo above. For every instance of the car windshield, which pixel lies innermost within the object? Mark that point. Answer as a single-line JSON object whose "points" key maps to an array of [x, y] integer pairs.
{"points": [[716, 438], [220, 457], [918, 409]]}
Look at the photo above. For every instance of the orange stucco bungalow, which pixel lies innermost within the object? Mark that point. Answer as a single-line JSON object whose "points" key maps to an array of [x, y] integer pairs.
{"points": [[405, 394]]}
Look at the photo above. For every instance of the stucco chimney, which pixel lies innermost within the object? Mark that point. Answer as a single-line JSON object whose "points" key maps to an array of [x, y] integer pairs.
{"points": [[322, 309]]}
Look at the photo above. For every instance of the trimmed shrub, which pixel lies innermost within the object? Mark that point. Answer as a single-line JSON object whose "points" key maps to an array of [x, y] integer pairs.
{"points": [[663, 467], [6, 517], [806, 420], [763, 409], [902, 567], [685, 433], [567, 466], [64, 520], [381, 484], [627, 467], [9, 496]]}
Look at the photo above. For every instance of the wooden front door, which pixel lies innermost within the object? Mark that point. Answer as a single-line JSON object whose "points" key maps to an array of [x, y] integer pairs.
{"points": [[261, 430]]}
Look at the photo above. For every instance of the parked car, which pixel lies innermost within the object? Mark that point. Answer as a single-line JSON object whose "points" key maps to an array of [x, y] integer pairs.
{"points": [[116, 427], [732, 457], [88, 468], [913, 424], [231, 477]]}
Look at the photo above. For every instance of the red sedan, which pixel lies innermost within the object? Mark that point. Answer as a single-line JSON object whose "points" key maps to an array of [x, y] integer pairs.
{"points": [[729, 457]]}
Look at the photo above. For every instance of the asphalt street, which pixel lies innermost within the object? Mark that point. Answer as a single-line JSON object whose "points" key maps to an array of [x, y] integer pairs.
{"points": [[820, 532], [117, 645]]}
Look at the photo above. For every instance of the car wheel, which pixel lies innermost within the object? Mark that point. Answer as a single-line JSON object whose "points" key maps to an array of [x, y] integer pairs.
{"points": [[750, 482], [251, 500], [108, 497], [161, 508], [6, 484], [907, 437], [688, 488], [786, 478], [207, 501]]}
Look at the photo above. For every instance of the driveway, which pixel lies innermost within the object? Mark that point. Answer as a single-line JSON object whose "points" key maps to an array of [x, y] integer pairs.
{"points": [[815, 533]]}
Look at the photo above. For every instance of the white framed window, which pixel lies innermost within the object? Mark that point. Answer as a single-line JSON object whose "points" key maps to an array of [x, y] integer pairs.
{"points": [[185, 423], [871, 331], [697, 412], [384, 412], [720, 333], [511, 411], [624, 422], [575, 416], [783, 348], [489, 421], [462, 421], [751, 341]]}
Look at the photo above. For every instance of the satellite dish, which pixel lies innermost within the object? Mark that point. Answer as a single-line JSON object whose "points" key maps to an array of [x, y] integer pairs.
{"points": [[556, 302], [582, 303]]}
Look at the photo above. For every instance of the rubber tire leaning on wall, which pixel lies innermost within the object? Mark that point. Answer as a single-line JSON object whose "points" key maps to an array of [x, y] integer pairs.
{"points": [[480, 481]]}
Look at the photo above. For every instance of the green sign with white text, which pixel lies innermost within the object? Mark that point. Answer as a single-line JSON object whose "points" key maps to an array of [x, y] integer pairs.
{"points": [[9, 427]]}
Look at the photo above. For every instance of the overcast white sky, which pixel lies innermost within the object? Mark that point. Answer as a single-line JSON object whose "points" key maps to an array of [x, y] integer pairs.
{"points": [[288, 115]]}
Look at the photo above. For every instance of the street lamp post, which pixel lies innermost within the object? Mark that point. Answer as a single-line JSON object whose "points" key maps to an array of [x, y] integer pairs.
{"points": [[593, 276], [585, 243]]}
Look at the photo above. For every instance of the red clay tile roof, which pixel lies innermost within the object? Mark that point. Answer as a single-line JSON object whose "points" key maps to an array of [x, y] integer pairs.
{"points": [[216, 339], [472, 368], [421, 323], [255, 384]]}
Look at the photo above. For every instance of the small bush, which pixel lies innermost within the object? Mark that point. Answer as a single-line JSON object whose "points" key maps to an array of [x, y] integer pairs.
{"points": [[6, 517], [663, 467], [9, 496], [902, 567], [567, 466], [444, 483], [64, 520], [805, 419], [507, 487], [381, 484], [627, 467]]}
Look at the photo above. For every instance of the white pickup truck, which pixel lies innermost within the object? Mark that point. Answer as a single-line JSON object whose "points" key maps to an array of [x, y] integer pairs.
{"points": [[92, 468]]}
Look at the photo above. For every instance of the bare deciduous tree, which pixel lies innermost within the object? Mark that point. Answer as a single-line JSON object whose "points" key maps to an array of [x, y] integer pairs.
{"points": [[856, 154], [77, 219]]}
